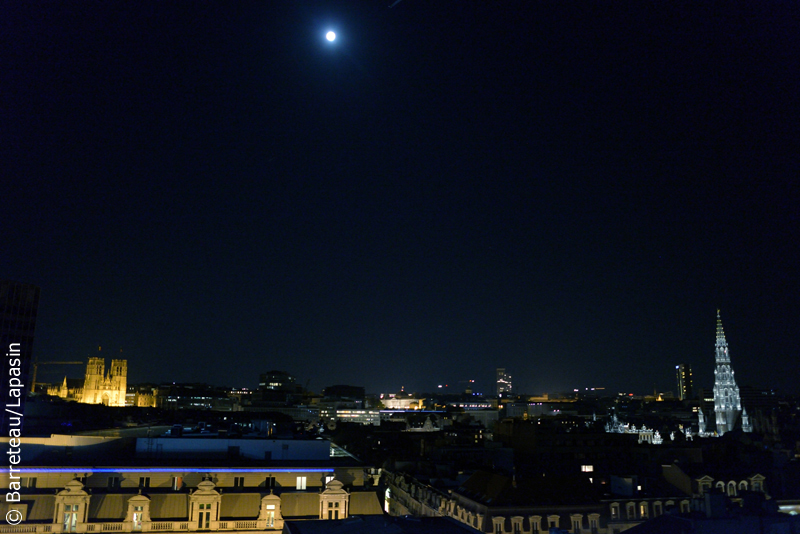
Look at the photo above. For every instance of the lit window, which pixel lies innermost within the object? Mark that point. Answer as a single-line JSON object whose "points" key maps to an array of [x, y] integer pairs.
{"points": [[587, 468], [301, 483]]}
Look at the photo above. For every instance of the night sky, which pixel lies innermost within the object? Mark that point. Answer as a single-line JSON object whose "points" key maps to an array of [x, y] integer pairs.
{"points": [[566, 189]]}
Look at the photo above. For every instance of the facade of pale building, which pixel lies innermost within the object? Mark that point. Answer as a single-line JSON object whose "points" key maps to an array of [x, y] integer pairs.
{"points": [[98, 387], [727, 403], [70, 389], [174, 484]]}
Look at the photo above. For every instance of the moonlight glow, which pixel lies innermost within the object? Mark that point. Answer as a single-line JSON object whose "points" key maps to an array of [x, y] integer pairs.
{"points": [[330, 36]]}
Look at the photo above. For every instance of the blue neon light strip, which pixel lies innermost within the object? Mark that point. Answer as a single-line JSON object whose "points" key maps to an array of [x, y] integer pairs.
{"points": [[80, 469]]}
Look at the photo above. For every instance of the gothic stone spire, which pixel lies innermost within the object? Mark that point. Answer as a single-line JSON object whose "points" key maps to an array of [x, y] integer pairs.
{"points": [[727, 404], [722, 344]]}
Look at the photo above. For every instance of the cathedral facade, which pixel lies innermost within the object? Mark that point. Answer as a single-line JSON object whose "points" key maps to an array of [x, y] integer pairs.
{"points": [[98, 387]]}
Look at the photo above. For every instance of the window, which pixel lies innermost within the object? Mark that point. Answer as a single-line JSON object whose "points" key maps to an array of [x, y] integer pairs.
{"points": [[144, 482], [70, 518], [177, 483], [630, 509], [238, 482], [615, 511], [138, 513], [587, 468], [29, 482], [113, 483], [301, 483], [517, 529], [657, 511], [204, 521], [731, 489], [498, 528], [328, 479], [643, 510], [269, 482], [576, 525]]}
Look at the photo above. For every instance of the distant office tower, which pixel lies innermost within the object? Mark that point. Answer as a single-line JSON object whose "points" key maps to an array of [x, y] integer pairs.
{"points": [[19, 304], [503, 382], [727, 404], [684, 376]]}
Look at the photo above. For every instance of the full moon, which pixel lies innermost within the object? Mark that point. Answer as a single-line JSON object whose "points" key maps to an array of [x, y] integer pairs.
{"points": [[330, 36]]}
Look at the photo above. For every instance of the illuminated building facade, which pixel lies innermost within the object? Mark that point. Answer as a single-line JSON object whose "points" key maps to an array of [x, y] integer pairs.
{"points": [[109, 388], [351, 415], [183, 484], [503, 382], [98, 387], [684, 377], [727, 403]]}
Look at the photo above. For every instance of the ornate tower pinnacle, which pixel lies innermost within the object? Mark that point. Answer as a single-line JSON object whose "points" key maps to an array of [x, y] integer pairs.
{"points": [[727, 404], [722, 343]]}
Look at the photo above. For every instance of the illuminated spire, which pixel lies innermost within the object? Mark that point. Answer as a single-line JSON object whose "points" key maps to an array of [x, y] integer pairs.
{"points": [[727, 402], [722, 343]]}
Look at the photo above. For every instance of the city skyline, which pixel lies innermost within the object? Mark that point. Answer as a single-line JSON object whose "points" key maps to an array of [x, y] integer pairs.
{"points": [[483, 386], [566, 191]]}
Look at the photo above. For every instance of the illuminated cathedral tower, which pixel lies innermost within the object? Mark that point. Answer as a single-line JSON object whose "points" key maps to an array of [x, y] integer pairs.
{"points": [[727, 404], [109, 388]]}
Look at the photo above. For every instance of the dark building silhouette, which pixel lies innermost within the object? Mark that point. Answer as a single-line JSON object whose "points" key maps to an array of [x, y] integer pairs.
{"points": [[277, 381], [344, 392], [684, 377], [19, 304]]}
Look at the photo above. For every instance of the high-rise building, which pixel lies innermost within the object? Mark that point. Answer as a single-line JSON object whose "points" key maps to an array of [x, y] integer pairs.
{"points": [[503, 382], [684, 377], [277, 381], [19, 304], [727, 404]]}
